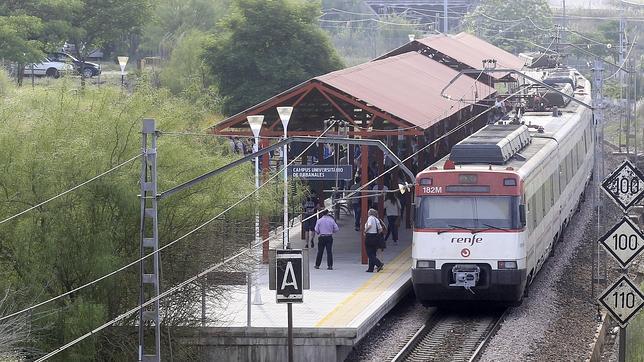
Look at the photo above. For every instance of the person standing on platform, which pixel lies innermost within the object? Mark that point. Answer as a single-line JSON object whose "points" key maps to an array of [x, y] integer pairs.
{"points": [[392, 210], [309, 208], [373, 237], [325, 228], [375, 198], [355, 202]]}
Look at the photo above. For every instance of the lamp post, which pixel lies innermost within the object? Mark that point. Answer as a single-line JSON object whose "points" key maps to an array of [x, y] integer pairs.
{"points": [[285, 115], [255, 123]]}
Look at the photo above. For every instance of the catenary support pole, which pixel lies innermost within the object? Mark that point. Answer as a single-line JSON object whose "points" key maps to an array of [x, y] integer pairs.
{"points": [[149, 274], [445, 26]]}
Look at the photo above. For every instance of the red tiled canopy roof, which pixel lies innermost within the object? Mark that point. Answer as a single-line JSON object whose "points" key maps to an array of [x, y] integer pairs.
{"points": [[468, 49], [408, 86]]}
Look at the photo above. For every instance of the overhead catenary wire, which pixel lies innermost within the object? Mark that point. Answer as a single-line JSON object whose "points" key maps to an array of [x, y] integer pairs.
{"points": [[70, 190], [114, 272], [621, 66], [246, 250]]}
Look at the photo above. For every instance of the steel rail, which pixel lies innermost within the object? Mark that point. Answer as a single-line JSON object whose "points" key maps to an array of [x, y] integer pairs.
{"points": [[479, 350], [434, 323]]}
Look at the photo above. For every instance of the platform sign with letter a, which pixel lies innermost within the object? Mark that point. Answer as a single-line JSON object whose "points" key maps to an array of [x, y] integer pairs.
{"points": [[625, 185], [289, 281], [623, 300], [624, 242]]}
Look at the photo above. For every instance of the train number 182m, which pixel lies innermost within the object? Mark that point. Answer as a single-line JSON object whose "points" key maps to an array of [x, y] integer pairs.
{"points": [[432, 189]]}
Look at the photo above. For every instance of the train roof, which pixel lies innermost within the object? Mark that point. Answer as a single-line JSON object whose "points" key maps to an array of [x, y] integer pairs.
{"points": [[545, 131]]}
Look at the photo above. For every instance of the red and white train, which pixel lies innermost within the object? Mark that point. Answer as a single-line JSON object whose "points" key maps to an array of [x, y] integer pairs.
{"points": [[489, 214]]}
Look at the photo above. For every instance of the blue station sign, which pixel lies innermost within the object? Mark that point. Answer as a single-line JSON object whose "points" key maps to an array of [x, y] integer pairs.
{"points": [[321, 172]]}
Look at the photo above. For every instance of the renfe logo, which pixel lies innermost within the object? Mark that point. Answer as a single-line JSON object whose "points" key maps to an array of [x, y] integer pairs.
{"points": [[471, 240]]}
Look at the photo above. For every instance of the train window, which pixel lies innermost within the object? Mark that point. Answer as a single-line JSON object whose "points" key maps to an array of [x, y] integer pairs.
{"points": [[539, 205], [555, 186], [533, 212], [548, 194], [585, 144], [569, 172], [468, 212], [509, 182]]}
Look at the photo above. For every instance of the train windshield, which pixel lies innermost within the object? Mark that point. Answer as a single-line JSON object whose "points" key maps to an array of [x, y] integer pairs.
{"points": [[474, 212]]}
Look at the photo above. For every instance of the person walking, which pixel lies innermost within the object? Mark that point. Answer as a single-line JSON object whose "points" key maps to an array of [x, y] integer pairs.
{"points": [[373, 229], [325, 228], [392, 210], [355, 202], [309, 210]]}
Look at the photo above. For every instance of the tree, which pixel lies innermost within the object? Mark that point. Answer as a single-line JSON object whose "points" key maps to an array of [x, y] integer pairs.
{"points": [[185, 73], [95, 23], [512, 25], [19, 41], [171, 19], [267, 46], [65, 138]]}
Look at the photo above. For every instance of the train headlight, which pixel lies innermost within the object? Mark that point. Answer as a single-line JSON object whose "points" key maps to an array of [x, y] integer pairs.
{"points": [[428, 264], [507, 264]]}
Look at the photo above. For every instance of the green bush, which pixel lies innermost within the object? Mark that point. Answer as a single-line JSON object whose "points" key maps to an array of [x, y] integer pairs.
{"points": [[5, 83]]}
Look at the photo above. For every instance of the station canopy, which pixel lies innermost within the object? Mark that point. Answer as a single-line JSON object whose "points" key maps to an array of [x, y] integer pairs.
{"points": [[402, 91], [462, 51]]}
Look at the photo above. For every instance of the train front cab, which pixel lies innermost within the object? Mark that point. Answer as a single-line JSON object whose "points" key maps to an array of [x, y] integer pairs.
{"points": [[468, 242]]}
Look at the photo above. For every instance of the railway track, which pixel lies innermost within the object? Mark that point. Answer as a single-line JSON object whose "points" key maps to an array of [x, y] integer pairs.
{"points": [[449, 336]]}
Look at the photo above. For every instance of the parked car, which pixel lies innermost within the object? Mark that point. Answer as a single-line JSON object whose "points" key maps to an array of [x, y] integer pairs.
{"points": [[49, 68], [90, 70], [95, 54]]}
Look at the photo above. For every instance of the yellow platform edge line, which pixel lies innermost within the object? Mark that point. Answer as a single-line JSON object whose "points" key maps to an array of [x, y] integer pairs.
{"points": [[396, 266], [353, 309]]}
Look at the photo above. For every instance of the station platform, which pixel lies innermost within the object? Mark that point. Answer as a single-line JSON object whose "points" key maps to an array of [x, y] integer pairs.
{"points": [[339, 309]]}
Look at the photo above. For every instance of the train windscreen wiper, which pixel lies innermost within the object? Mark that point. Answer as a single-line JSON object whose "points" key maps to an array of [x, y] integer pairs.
{"points": [[496, 227], [458, 227]]}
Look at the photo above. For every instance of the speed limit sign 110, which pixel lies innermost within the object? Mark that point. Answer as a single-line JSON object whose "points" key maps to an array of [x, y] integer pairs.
{"points": [[623, 300], [624, 242]]}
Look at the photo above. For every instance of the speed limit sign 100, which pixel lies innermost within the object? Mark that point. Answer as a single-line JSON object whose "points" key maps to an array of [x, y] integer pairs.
{"points": [[625, 185], [624, 242]]}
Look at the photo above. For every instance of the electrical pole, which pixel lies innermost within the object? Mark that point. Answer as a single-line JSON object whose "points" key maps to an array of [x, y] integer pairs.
{"points": [[598, 168], [149, 268], [445, 26], [557, 41], [565, 23]]}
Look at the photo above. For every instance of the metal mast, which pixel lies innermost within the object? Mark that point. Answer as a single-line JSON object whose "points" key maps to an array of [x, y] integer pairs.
{"points": [[598, 119], [149, 268]]}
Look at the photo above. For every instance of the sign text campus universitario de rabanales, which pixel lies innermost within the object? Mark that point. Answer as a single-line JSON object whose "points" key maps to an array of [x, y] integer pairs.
{"points": [[321, 172]]}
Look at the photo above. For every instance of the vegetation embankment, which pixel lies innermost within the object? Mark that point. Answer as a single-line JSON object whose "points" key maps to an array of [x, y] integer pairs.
{"points": [[54, 138]]}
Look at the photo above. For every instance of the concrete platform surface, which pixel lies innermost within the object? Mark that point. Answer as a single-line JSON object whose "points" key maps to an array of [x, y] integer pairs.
{"points": [[345, 297]]}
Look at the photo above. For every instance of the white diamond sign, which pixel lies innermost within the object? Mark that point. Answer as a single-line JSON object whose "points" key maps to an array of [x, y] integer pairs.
{"points": [[624, 242], [623, 300], [625, 185]]}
